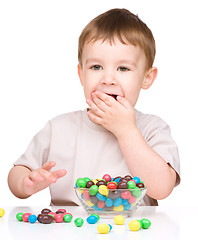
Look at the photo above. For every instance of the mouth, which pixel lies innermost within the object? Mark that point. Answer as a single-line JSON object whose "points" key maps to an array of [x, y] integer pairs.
{"points": [[113, 95]]}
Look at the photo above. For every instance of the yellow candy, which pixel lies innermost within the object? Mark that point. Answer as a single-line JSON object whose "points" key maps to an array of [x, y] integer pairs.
{"points": [[103, 190], [119, 220], [103, 228], [2, 212], [119, 208], [134, 225], [90, 204], [81, 191], [95, 181]]}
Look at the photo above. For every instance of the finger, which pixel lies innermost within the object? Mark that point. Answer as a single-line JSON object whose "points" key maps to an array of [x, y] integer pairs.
{"points": [[59, 173], [47, 175], [35, 176], [108, 100], [94, 118], [48, 165], [95, 108], [100, 103], [124, 102]]}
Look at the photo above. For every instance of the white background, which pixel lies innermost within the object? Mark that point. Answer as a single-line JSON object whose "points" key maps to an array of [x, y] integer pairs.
{"points": [[38, 76]]}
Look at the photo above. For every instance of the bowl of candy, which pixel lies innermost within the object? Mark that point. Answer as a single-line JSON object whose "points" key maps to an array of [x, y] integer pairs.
{"points": [[110, 196]]}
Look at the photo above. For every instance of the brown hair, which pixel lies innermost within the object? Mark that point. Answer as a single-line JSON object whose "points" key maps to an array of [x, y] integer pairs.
{"points": [[121, 24]]}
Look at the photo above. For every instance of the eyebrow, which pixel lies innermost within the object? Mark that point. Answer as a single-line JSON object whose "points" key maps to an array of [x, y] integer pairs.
{"points": [[120, 62], [92, 60]]}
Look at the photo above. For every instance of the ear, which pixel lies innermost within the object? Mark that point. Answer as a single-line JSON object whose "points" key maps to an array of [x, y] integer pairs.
{"points": [[80, 73], [149, 78]]}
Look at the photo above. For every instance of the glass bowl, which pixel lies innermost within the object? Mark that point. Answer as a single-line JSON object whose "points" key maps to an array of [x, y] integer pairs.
{"points": [[113, 202]]}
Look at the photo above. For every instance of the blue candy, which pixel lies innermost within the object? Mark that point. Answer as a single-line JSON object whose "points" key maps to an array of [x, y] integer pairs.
{"points": [[101, 197], [117, 202], [32, 218], [92, 219], [110, 227], [109, 202], [136, 179]]}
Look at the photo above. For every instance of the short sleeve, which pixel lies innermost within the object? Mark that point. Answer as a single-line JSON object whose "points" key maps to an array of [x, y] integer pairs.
{"points": [[37, 152], [161, 141]]}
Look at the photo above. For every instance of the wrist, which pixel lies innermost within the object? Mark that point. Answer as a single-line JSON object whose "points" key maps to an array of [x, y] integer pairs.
{"points": [[127, 132]]}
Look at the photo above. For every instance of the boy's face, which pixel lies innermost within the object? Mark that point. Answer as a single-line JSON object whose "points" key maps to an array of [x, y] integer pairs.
{"points": [[115, 69]]}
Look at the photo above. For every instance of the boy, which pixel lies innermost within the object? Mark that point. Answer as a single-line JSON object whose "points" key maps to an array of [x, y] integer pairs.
{"points": [[116, 54]]}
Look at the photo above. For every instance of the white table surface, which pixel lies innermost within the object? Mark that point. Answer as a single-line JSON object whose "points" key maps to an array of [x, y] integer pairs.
{"points": [[167, 223]]}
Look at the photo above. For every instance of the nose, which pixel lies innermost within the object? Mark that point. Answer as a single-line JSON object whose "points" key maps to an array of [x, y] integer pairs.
{"points": [[108, 78]]}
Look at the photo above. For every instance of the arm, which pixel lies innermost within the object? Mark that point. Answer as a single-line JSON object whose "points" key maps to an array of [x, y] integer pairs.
{"points": [[23, 182], [143, 161], [119, 118]]}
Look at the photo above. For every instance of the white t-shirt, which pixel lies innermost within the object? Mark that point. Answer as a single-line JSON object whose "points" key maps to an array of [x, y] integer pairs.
{"points": [[86, 149]]}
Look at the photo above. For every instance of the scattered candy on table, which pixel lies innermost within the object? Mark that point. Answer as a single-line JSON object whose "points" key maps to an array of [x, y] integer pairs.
{"points": [[46, 216], [79, 222], [2, 212], [103, 228], [110, 194], [119, 220]]}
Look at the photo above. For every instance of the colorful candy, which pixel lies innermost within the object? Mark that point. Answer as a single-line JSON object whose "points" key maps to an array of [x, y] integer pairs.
{"points": [[119, 220], [110, 194], [92, 219], [78, 222], [32, 218], [103, 228], [145, 223], [2, 212], [134, 225], [19, 217], [67, 218]]}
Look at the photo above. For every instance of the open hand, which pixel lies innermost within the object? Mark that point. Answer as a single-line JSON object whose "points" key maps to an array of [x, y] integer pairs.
{"points": [[41, 178]]}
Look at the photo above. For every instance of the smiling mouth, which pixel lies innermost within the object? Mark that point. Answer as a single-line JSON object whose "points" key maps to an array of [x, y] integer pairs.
{"points": [[113, 95]]}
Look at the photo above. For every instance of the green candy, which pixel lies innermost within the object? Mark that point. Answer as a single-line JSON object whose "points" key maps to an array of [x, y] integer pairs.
{"points": [[145, 223], [78, 222], [67, 218], [81, 183], [93, 190], [86, 179], [136, 192], [19, 217], [131, 185]]}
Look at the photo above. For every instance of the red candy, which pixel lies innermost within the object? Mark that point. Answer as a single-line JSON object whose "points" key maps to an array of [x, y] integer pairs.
{"points": [[126, 194], [107, 178], [59, 218], [62, 210], [26, 216], [112, 185], [101, 204]]}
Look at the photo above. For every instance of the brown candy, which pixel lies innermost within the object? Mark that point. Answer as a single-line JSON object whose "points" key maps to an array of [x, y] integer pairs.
{"points": [[123, 180], [122, 185], [140, 185], [114, 194], [128, 177], [89, 184], [59, 212], [46, 219], [101, 182], [93, 199], [116, 178], [39, 217], [45, 211]]}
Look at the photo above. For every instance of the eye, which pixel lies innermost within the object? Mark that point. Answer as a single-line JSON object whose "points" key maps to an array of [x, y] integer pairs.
{"points": [[123, 69], [96, 67]]}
